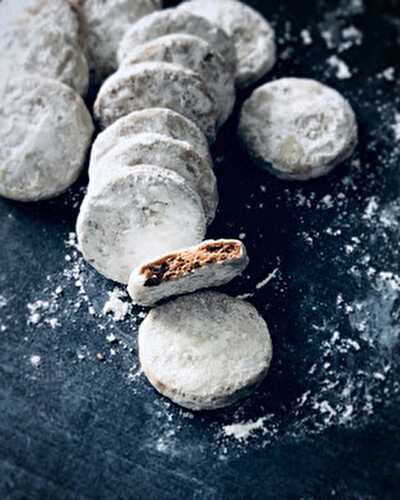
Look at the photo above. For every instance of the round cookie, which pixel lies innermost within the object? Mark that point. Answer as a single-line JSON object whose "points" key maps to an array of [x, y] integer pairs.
{"points": [[193, 53], [141, 213], [162, 151], [252, 35], [298, 129], [152, 84], [205, 351], [173, 21], [106, 23], [45, 131], [33, 41], [161, 121]]}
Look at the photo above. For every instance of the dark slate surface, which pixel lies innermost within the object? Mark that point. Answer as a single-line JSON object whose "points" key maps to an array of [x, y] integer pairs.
{"points": [[78, 427]]}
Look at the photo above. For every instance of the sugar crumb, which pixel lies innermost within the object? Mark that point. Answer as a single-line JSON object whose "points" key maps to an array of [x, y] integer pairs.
{"points": [[242, 431], [342, 71]]}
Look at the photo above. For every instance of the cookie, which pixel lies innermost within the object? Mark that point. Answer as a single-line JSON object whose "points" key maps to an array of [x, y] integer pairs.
{"points": [[194, 53], [106, 23], [174, 21], [253, 36], [140, 214], [45, 131], [33, 41], [162, 151], [209, 264], [298, 129], [205, 351], [151, 84], [160, 121]]}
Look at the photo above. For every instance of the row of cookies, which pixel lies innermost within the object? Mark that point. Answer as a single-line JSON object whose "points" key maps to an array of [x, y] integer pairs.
{"points": [[159, 111]]}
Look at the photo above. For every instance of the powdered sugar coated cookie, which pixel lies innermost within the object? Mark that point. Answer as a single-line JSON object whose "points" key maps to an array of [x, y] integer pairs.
{"points": [[297, 128], [45, 130], [205, 351]]}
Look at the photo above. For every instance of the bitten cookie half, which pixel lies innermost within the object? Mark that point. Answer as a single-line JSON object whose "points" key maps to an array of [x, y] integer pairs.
{"points": [[297, 128], [212, 263], [45, 131], [205, 351], [139, 214]]}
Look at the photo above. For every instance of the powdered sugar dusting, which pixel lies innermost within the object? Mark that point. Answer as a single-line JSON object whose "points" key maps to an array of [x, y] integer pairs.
{"points": [[396, 127], [116, 306], [342, 70], [242, 431]]}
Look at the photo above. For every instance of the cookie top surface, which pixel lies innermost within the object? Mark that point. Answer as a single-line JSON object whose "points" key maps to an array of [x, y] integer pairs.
{"points": [[167, 85], [196, 54], [141, 213], [201, 349], [299, 128], [252, 35], [45, 130], [173, 21]]}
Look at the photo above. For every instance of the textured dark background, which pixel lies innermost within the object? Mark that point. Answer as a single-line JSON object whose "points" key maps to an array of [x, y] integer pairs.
{"points": [[76, 427]]}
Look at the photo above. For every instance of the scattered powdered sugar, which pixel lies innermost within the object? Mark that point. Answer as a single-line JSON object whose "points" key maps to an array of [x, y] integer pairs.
{"points": [[375, 317], [115, 305], [261, 284], [267, 279], [35, 360], [306, 37], [387, 74], [342, 71], [242, 431], [78, 288], [3, 301], [351, 36], [396, 127]]}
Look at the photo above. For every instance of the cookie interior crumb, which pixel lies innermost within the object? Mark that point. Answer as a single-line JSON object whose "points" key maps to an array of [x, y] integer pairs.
{"points": [[179, 264]]}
